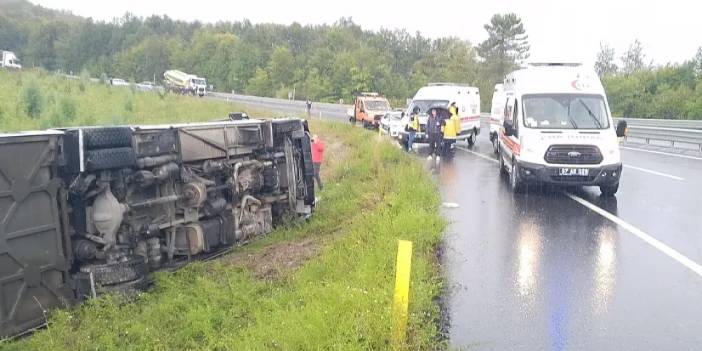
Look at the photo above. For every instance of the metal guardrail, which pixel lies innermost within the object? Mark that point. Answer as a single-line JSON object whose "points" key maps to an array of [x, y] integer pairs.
{"points": [[673, 131], [662, 123], [293, 107], [675, 136]]}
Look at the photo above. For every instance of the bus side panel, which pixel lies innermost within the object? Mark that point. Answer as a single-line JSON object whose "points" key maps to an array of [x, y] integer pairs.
{"points": [[33, 262]]}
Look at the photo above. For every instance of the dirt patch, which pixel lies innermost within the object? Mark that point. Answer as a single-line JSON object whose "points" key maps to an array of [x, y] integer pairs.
{"points": [[276, 260]]}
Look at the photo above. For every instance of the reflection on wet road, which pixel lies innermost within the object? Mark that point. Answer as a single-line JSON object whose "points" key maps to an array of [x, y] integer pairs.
{"points": [[540, 271]]}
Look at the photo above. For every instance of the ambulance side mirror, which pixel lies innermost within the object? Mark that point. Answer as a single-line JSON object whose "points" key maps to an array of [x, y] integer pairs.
{"points": [[621, 129], [509, 130]]}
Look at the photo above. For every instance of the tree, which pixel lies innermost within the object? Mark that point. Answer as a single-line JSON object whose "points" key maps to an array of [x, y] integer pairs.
{"points": [[40, 48], [281, 67], [144, 61], [260, 84], [506, 46], [633, 58], [211, 54], [32, 99], [697, 62], [246, 60], [605, 64]]}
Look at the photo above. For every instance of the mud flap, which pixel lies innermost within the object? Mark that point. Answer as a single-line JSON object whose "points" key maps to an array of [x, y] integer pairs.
{"points": [[308, 169]]}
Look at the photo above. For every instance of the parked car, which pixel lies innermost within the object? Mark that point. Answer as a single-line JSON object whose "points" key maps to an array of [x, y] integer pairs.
{"points": [[391, 124], [146, 86], [118, 82]]}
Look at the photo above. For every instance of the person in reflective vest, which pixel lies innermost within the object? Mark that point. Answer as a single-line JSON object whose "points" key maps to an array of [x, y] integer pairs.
{"points": [[412, 128], [451, 129]]}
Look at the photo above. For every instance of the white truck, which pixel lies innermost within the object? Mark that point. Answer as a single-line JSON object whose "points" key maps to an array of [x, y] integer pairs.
{"points": [[182, 83], [441, 95], [9, 60], [558, 129]]}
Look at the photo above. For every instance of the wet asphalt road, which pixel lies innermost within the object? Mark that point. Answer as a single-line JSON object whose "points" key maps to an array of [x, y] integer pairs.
{"points": [[540, 271]]}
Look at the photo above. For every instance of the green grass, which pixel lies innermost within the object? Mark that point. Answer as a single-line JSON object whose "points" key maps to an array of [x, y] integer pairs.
{"points": [[339, 299], [70, 102]]}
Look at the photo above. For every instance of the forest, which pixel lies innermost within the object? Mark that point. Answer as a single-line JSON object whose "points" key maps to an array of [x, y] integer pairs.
{"points": [[330, 62]]}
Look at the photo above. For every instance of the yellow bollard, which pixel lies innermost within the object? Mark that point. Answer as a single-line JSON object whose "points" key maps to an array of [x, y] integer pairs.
{"points": [[401, 299]]}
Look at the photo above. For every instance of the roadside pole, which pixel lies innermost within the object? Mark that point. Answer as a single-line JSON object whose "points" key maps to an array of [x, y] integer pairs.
{"points": [[401, 299]]}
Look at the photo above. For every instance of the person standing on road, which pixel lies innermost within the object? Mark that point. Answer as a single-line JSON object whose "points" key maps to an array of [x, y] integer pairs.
{"points": [[434, 133], [317, 159], [308, 104], [452, 127], [412, 128]]}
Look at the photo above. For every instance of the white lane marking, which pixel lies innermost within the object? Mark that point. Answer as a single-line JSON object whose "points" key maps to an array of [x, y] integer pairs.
{"points": [[655, 243], [672, 253], [662, 153], [654, 172], [477, 154]]}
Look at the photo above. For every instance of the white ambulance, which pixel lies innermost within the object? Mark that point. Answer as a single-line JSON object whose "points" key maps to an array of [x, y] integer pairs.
{"points": [[441, 95], [496, 114], [558, 129]]}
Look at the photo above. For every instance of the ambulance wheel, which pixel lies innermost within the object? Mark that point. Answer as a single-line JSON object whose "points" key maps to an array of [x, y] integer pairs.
{"points": [[609, 190], [515, 181], [503, 169], [471, 139]]}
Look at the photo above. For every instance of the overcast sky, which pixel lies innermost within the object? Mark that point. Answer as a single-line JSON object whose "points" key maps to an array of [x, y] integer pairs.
{"points": [[670, 30]]}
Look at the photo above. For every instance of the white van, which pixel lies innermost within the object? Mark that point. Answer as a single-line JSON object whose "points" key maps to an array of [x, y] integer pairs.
{"points": [[441, 95], [558, 129], [496, 114]]}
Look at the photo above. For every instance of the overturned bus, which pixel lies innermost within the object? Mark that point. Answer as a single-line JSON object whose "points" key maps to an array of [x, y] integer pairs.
{"points": [[91, 210]]}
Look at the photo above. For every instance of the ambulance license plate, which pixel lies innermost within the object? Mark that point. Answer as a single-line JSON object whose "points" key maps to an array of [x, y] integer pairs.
{"points": [[583, 172]]}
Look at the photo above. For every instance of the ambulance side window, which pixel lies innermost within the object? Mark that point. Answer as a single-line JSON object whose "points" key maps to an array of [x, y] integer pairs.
{"points": [[507, 112]]}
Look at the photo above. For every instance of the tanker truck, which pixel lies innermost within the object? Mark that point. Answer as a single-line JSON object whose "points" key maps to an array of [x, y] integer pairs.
{"points": [[182, 83]]}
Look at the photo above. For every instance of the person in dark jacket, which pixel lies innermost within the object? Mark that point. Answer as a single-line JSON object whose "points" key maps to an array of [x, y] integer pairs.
{"points": [[434, 133], [308, 106]]}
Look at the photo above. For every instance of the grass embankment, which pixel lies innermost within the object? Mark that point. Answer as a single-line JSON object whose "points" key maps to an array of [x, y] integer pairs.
{"points": [[325, 284], [39, 100]]}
